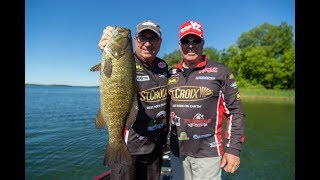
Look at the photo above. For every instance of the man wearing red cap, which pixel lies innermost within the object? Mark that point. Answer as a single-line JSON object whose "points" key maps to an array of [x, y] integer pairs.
{"points": [[202, 92]]}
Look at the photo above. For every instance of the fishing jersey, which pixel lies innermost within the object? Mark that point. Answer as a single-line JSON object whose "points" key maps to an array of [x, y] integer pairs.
{"points": [[200, 100], [151, 122]]}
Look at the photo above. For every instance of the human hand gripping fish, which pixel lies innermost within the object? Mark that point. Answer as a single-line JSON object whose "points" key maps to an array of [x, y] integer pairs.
{"points": [[118, 94]]}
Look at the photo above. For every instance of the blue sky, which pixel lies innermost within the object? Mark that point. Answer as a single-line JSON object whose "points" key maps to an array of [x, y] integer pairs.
{"points": [[61, 36]]}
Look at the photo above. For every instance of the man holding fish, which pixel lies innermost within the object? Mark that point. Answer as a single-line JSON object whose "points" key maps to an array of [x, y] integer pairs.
{"points": [[146, 130]]}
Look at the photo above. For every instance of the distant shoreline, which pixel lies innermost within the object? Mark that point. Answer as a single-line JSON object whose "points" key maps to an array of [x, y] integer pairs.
{"points": [[61, 85], [247, 94], [272, 98]]}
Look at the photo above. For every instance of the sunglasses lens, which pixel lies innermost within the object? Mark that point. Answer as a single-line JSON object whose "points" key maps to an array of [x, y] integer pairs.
{"points": [[184, 41], [142, 39], [153, 39], [197, 41]]}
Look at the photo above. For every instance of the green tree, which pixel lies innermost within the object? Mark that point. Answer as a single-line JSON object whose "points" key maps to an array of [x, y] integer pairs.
{"points": [[211, 53], [266, 56], [172, 58]]}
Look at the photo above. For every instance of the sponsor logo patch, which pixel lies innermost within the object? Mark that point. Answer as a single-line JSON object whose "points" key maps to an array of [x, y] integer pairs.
{"points": [[143, 78], [161, 65], [183, 136], [174, 119], [154, 94], [173, 80], [200, 136], [138, 67], [214, 144], [238, 96], [205, 78], [197, 121], [234, 85], [209, 70], [190, 93]]}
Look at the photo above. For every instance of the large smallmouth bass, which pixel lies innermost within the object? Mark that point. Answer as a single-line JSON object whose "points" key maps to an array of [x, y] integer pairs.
{"points": [[118, 94]]}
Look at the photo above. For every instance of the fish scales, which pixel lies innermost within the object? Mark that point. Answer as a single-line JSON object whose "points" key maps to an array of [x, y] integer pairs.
{"points": [[118, 93]]}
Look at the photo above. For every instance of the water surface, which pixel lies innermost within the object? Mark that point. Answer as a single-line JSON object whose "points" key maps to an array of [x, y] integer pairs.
{"points": [[61, 141]]}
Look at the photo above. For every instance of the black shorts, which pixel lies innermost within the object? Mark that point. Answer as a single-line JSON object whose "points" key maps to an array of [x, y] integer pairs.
{"points": [[144, 167]]}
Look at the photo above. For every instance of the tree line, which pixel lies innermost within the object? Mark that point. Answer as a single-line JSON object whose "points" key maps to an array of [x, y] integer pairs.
{"points": [[263, 57]]}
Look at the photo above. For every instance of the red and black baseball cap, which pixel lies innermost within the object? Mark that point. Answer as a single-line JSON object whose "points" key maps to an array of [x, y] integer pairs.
{"points": [[191, 27]]}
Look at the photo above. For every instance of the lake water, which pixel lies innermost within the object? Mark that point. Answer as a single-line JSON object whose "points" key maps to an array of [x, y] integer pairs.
{"points": [[61, 141]]}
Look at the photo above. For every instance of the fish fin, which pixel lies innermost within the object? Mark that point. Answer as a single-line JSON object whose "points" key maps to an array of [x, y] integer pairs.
{"points": [[107, 70], [133, 113], [100, 121], [96, 67], [117, 153]]}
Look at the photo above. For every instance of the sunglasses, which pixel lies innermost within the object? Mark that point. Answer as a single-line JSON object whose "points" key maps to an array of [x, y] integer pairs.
{"points": [[188, 41], [152, 39]]}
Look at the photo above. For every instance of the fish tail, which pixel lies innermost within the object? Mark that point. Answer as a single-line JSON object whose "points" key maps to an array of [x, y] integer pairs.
{"points": [[117, 154]]}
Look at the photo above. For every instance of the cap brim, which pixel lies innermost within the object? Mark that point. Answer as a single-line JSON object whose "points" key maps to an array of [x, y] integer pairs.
{"points": [[191, 33]]}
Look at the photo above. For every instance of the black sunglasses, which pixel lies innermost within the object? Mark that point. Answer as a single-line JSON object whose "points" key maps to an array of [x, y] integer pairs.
{"points": [[152, 39], [188, 41]]}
